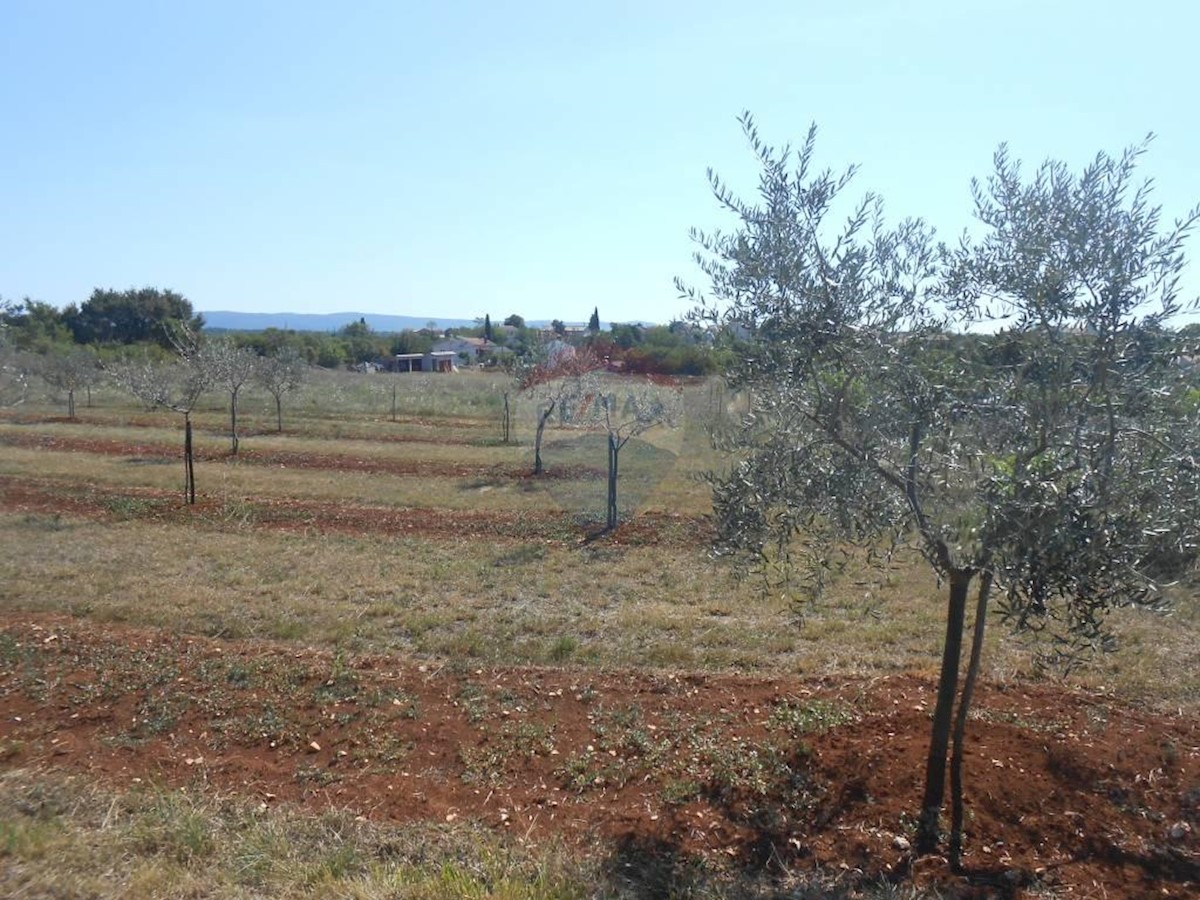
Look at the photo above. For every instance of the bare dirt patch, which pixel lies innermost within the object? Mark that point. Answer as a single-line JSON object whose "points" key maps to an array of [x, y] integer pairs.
{"points": [[322, 462], [310, 516], [1068, 792]]}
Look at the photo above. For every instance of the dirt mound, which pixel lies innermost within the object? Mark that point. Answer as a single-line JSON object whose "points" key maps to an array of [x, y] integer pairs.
{"points": [[1065, 791]]}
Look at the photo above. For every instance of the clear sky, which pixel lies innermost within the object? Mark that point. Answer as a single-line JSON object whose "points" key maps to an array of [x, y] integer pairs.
{"points": [[451, 158]]}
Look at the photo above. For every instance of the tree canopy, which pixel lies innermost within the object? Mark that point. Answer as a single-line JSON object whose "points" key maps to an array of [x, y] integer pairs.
{"points": [[131, 316], [1051, 461], [34, 325]]}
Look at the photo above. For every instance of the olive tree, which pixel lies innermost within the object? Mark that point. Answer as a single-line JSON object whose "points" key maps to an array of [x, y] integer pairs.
{"points": [[14, 365], [176, 385], [231, 368], [559, 381], [70, 369], [283, 372], [506, 412], [624, 411], [1049, 463]]}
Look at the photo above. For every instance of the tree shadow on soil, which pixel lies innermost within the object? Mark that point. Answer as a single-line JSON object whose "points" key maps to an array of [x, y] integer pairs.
{"points": [[771, 856], [763, 860], [1159, 865], [653, 867], [643, 866]]}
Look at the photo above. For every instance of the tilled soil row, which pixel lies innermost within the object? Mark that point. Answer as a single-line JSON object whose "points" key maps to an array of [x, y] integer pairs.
{"points": [[323, 461], [52, 497]]}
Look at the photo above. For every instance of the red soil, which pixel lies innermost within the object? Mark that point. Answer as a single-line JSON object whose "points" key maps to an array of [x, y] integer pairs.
{"points": [[323, 461], [1075, 793], [49, 497]]}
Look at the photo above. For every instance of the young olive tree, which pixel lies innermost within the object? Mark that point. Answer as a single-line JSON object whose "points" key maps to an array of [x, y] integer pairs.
{"points": [[14, 365], [624, 413], [280, 374], [232, 367], [177, 386], [558, 381], [1049, 463], [506, 413], [70, 369]]}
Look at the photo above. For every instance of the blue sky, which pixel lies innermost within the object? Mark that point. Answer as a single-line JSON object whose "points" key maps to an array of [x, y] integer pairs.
{"points": [[544, 158]]}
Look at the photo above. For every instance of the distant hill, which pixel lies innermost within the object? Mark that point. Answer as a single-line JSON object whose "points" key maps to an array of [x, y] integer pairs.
{"points": [[225, 320]]}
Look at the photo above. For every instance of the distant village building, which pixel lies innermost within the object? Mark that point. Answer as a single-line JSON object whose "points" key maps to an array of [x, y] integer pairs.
{"points": [[470, 349], [570, 330], [434, 361]]}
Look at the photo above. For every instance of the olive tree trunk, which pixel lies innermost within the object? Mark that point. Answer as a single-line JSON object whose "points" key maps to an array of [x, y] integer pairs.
{"points": [[614, 451], [233, 428], [960, 722], [189, 468], [939, 743], [543, 418]]}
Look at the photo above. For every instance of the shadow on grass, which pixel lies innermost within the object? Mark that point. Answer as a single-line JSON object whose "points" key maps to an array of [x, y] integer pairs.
{"points": [[642, 866]]}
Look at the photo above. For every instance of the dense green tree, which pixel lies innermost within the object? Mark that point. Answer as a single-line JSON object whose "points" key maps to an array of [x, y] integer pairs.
{"points": [[36, 326], [269, 341], [523, 343], [488, 335], [626, 336], [1050, 465], [132, 316], [360, 343], [657, 360], [515, 321], [411, 342], [658, 349], [326, 352], [594, 322]]}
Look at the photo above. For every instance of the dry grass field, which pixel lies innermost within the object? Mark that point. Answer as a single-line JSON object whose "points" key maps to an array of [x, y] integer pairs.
{"points": [[379, 659]]}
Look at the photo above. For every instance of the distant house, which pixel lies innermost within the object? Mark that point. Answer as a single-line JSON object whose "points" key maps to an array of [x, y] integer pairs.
{"points": [[469, 349], [570, 330], [434, 361]]}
